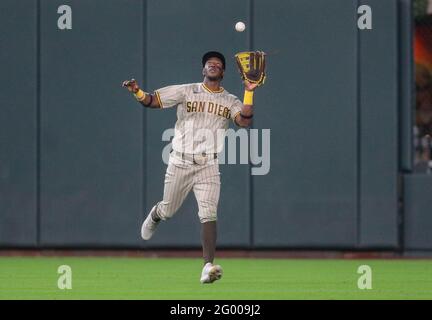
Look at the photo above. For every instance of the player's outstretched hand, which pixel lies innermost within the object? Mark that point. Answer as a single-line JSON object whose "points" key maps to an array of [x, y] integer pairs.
{"points": [[131, 85], [249, 86]]}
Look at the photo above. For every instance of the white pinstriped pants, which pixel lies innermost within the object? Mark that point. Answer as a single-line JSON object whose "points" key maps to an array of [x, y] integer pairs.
{"points": [[181, 177]]}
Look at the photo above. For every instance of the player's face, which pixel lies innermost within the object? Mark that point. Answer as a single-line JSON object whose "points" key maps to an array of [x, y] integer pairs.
{"points": [[213, 69]]}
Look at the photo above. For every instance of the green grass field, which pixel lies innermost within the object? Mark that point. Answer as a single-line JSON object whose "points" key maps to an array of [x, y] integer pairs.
{"points": [[147, 278]]}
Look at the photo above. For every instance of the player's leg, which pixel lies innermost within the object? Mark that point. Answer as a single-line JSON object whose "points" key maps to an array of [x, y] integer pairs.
{"points": [[178, 183], [208, 240], [207, 190]]}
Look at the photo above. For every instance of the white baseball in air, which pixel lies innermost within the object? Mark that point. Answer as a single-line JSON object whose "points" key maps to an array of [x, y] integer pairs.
{"points": [[240, 26]]}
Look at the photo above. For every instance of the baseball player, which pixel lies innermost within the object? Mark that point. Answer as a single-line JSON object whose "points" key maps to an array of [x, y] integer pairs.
{"points": [[203, 111]]}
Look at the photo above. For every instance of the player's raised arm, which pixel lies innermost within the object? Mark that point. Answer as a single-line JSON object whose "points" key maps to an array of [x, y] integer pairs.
{"points": [[244, 117], [251, 66], [146, 99]]}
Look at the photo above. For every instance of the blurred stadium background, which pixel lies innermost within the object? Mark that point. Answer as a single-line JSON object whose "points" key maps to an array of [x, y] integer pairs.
{"points": [[80, 160]]}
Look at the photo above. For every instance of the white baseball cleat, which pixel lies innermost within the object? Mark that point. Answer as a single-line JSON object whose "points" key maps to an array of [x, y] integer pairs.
{"points": [[149, 226], [211, 273]]}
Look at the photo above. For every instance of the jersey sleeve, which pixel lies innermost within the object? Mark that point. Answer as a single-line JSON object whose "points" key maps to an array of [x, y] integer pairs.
{"points": [[170, 96], [236, 108]]}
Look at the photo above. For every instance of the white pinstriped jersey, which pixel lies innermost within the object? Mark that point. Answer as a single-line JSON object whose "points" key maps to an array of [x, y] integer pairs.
{"points": [[202, 116]]}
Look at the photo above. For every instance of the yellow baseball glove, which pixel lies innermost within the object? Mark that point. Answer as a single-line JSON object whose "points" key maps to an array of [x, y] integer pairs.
{"points": [[251, 65]]}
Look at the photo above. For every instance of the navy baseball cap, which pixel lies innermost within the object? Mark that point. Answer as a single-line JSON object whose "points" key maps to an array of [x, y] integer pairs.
{"points": [[213, 54]]}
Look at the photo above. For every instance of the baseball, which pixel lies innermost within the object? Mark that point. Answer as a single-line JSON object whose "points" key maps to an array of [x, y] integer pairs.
{"points": [[240, 26]]}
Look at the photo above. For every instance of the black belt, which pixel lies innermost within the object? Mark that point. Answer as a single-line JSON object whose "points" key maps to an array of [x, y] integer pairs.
{"points": [[191, 156]]}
